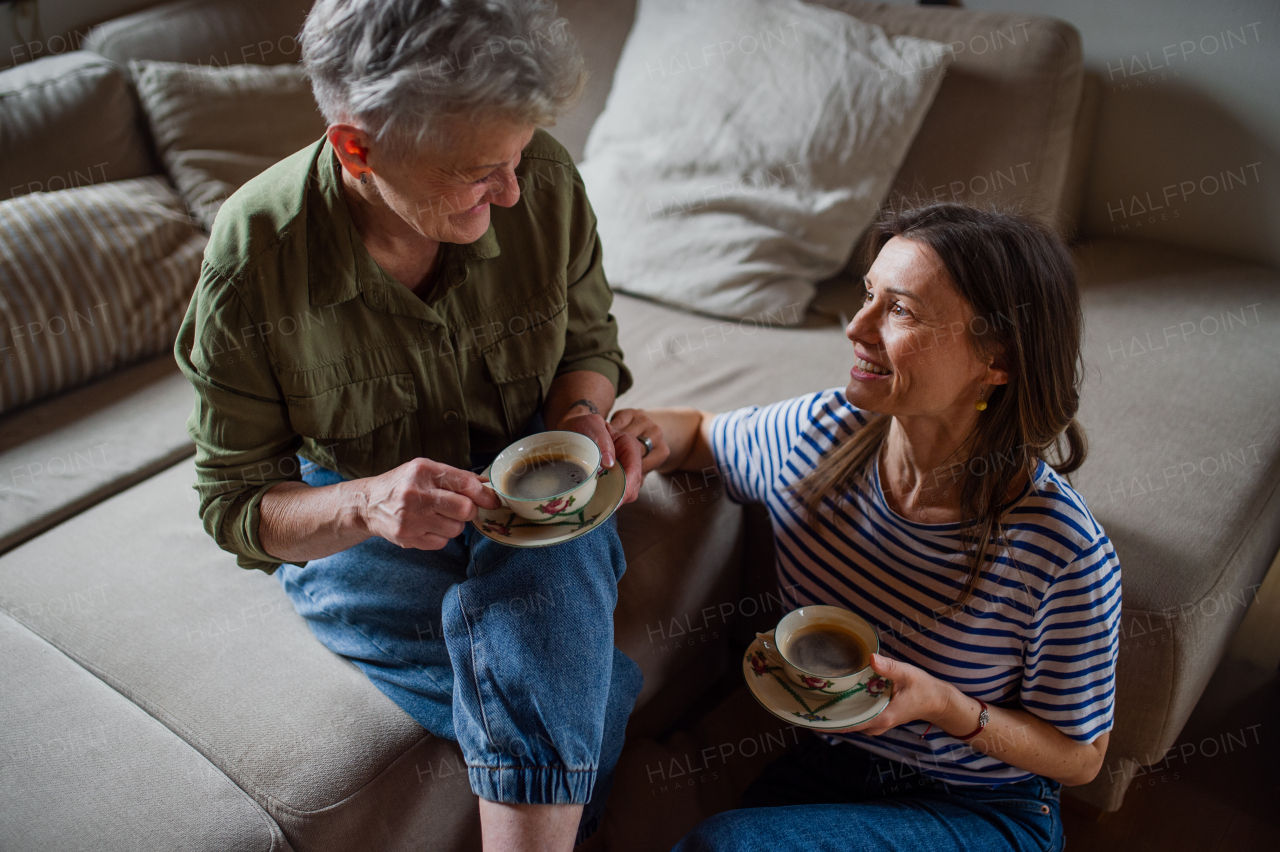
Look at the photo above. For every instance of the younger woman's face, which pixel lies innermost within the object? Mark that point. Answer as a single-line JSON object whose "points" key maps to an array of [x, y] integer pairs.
{"points": [[911, 341]]}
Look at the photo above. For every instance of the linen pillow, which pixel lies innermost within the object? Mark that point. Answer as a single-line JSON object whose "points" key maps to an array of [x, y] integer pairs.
{"points": [[68, 120], [215, 128], [745, 146], [91, 279]]}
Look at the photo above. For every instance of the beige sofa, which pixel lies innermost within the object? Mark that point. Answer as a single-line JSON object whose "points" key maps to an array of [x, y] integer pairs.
{"points": [[157, 696]]}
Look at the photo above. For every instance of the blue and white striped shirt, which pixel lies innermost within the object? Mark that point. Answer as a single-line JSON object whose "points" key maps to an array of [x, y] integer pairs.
{"points": [[1042, 629]]}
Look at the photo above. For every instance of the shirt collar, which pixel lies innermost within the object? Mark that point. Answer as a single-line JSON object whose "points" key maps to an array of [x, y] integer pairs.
{"points": [[337, 253]]}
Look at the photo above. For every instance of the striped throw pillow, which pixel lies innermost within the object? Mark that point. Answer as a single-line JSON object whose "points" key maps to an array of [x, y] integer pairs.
{"points": [[91, 279]]}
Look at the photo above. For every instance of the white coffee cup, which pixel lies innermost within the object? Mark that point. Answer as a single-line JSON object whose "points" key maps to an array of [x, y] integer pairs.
{"points": [[776, 642], [556, 507]]}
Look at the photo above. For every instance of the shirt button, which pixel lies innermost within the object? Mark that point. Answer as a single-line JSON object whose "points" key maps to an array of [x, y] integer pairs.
{"points": [[451, 417]]}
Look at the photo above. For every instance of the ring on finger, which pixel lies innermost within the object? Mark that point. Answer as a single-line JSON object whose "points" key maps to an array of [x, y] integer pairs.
{"points": [[648, 444]]}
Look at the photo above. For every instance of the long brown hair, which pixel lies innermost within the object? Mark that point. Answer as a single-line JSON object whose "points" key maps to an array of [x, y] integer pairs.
{"points": [[1018, 277]]}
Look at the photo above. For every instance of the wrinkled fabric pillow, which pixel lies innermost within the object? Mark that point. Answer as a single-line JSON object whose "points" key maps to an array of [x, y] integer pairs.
{"points": [[68, 120], [91, 279], [215, 128], [744, 147]]}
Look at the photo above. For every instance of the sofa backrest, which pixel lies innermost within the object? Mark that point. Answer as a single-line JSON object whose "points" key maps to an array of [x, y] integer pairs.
{"points": [[1001, 126], [68, 120], [205, 32]]}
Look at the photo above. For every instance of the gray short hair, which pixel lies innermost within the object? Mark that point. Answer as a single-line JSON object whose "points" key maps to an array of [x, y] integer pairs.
{"points": [[396, 68]]}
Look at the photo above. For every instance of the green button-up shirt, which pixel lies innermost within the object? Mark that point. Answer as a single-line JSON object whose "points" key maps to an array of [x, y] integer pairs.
{"points": [[298, 342]]}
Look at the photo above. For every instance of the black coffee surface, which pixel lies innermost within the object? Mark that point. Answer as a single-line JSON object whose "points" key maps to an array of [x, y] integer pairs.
{"points": [[828, 651], [541, 478]]}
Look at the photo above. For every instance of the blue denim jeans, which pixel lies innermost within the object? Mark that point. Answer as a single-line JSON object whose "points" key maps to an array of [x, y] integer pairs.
{"points": [[509, 651], [840, 797]]}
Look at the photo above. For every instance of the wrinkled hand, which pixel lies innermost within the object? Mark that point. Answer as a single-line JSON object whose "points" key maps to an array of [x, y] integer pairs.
{"points": [[615, 446], [423, 503], [636, 422], [916, 695]]}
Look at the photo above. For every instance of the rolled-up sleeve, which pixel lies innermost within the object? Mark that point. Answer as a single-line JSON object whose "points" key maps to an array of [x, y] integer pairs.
{"points": [[591, 340], [245, 444]]}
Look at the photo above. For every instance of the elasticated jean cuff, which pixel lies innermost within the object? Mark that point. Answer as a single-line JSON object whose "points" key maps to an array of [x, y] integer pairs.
{"points": [[532, 785]]}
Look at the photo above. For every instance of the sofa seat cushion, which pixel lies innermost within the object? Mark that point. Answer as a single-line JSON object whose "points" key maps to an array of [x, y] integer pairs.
{"points": [[66, 453], [86, 769], [69, 120], [218, 655], [1182, 412], [682, 358]]}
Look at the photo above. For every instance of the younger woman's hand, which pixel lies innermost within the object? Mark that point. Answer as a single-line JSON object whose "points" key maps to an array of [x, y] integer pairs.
{"points": [[637, 423], [916, 695]]}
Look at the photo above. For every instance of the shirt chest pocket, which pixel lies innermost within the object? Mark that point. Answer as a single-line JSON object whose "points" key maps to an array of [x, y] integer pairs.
{"points": [[523, 365], [362, 428]]}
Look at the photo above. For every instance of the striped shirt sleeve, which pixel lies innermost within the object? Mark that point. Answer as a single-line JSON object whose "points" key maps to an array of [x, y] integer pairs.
{"points": [[1069, 662], [751, 444]]}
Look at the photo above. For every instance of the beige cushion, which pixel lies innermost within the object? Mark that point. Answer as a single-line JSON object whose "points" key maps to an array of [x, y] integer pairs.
{"points": [[66, 453], [85, 768], [218, 655], [209, 32], [731, 170], [1182, 413], [1001, 126], [91, 279], [68, 121], [215, 128]]}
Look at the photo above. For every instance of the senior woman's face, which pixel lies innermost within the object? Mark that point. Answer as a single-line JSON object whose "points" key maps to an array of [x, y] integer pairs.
{"points": [[912, 354], [445, 194]]}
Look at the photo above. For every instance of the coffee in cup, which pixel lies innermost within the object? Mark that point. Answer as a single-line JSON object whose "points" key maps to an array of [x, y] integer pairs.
{"points": [[547, 477], [828, 650]]}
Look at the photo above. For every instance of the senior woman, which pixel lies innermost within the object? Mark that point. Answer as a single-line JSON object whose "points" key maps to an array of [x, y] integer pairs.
{"points": [[376, 317], [923, 497]]}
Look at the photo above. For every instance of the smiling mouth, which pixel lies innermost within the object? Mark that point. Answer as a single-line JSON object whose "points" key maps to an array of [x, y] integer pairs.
{"points": [[868, 367]]}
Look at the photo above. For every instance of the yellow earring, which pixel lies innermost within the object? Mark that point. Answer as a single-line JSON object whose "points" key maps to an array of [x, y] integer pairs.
{"points": [[981, 404]]}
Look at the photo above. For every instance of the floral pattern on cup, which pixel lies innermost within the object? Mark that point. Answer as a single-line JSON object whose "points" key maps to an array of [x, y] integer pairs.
{"points": [[557, 508], [816, 682]]}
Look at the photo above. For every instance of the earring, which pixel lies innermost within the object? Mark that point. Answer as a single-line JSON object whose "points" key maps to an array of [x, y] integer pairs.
{"points": [[364, 177], [981, 404]]}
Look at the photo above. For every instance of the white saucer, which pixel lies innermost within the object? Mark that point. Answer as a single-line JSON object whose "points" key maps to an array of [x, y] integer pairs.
{"points": [[506, 527], [809, 708]]}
